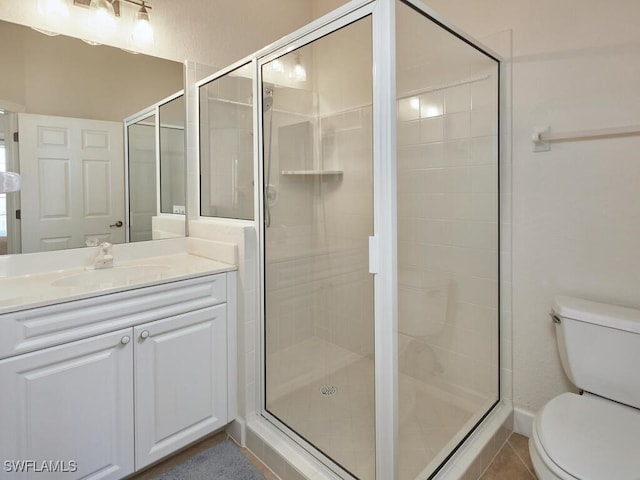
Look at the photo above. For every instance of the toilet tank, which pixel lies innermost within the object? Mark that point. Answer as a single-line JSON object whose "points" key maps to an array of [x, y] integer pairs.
{"points": [[599, 347]]}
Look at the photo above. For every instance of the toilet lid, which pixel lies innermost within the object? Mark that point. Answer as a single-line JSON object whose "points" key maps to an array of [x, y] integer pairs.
{"points": [[591, 438]]}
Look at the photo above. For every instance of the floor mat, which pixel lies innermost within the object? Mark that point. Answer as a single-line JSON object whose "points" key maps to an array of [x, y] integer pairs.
{"points": [[223, 461]]}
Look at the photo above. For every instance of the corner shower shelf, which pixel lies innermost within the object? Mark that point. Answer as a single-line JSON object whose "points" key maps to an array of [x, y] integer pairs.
{"points": [[312, 172]]}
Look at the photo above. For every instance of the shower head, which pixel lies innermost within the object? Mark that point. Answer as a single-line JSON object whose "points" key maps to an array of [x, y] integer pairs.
{"points": [[267, 99]]}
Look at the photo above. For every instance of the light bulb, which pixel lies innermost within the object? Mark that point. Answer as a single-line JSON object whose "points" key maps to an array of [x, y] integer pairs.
{"points": [[299, 73], [53, 8], [142, 33], [277, 65], [102, 18]]}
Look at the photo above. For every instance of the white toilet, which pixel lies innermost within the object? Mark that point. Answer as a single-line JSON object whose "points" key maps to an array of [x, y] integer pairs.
{"points": [[596, 435]]}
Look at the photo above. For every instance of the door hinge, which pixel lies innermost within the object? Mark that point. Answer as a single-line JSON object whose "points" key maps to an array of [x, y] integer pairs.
{"points": [[16, 136], [18, 214]]}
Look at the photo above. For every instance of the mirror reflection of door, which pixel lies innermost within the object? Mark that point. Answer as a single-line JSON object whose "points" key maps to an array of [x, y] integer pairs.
{"points": [[141, 141], [84, 82], [74, 193]]}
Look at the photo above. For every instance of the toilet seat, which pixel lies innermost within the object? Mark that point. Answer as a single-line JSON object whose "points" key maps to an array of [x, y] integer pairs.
{"points": [[588, 438]]}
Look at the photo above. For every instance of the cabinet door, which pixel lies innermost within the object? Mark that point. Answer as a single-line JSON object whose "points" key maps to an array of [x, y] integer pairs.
{"points": [[180, 381], [69, 408]]}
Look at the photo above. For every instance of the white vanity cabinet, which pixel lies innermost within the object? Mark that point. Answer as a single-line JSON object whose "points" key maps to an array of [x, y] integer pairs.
{"points": [[161, 380], [180, 381], [69, 403]]}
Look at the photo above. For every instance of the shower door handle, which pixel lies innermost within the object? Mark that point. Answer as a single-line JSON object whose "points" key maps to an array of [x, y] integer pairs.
{"points": [[374, 255]]}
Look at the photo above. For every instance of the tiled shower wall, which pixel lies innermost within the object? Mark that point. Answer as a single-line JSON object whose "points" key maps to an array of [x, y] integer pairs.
{"points": [[448, 227], [344, 312], [321, 286], [324, 220], [289, 237]]}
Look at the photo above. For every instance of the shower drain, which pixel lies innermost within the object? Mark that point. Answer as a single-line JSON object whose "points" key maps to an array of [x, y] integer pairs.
{"points": [[329, 390]]}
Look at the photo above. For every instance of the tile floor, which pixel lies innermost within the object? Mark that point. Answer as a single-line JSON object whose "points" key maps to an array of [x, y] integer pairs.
{"points": [[511, 463]]}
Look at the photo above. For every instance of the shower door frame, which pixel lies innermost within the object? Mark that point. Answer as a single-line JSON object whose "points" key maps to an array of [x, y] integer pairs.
{"points": [[383, 258], [152, 110], [342, 17], [432, 16]]}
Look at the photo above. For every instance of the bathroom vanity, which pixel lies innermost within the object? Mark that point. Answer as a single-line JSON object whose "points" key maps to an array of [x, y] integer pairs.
{"points": [[108, 372]]}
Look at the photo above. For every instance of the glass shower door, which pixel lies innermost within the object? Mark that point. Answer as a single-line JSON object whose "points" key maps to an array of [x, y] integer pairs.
{"points": [[318, 216], [447, 169]]}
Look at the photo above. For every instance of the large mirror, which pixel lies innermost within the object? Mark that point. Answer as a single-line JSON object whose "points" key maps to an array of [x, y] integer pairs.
{"points": [[69, 102]]}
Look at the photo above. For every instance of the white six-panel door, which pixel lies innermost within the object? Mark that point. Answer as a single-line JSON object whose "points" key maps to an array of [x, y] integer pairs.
{"points": [[72, 181]]}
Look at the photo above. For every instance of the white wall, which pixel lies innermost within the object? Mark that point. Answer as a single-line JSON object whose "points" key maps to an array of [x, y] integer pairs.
{"points": [[576, 215], [64, 76]]}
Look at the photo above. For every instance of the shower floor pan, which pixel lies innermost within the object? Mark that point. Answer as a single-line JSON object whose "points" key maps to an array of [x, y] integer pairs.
{"points": [[327, 397]]}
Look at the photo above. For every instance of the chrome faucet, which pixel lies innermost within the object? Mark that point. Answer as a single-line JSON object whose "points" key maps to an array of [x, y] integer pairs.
{"points": [[104, 259]]}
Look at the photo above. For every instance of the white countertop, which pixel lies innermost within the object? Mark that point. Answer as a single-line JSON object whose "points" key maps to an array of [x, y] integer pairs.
{"points": [[36, 290]]}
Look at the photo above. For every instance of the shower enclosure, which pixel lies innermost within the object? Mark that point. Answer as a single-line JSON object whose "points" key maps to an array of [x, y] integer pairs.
{"points": [[155, 166], [319, 294], [376, 134]]}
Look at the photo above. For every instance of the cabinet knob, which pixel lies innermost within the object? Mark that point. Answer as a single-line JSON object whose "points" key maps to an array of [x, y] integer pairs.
{"points": [[126, 339], [144, 334]]}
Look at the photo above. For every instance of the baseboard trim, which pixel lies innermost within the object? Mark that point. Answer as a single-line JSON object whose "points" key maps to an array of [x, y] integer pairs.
{"points": [[523, 421], [236, 430]]}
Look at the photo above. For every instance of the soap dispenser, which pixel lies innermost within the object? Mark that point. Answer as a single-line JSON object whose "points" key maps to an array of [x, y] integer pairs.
{"points": [[104, 259]]}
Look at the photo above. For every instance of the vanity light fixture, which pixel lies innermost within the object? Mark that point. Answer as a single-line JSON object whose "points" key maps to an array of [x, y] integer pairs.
{"points": [[277, 65], [142, 33], [103, 13], [57, 9], [54, 12], [102, 17]]}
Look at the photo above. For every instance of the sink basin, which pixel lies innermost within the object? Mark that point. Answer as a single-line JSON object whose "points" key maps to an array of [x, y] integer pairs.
{"points": [[111, 277]]}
